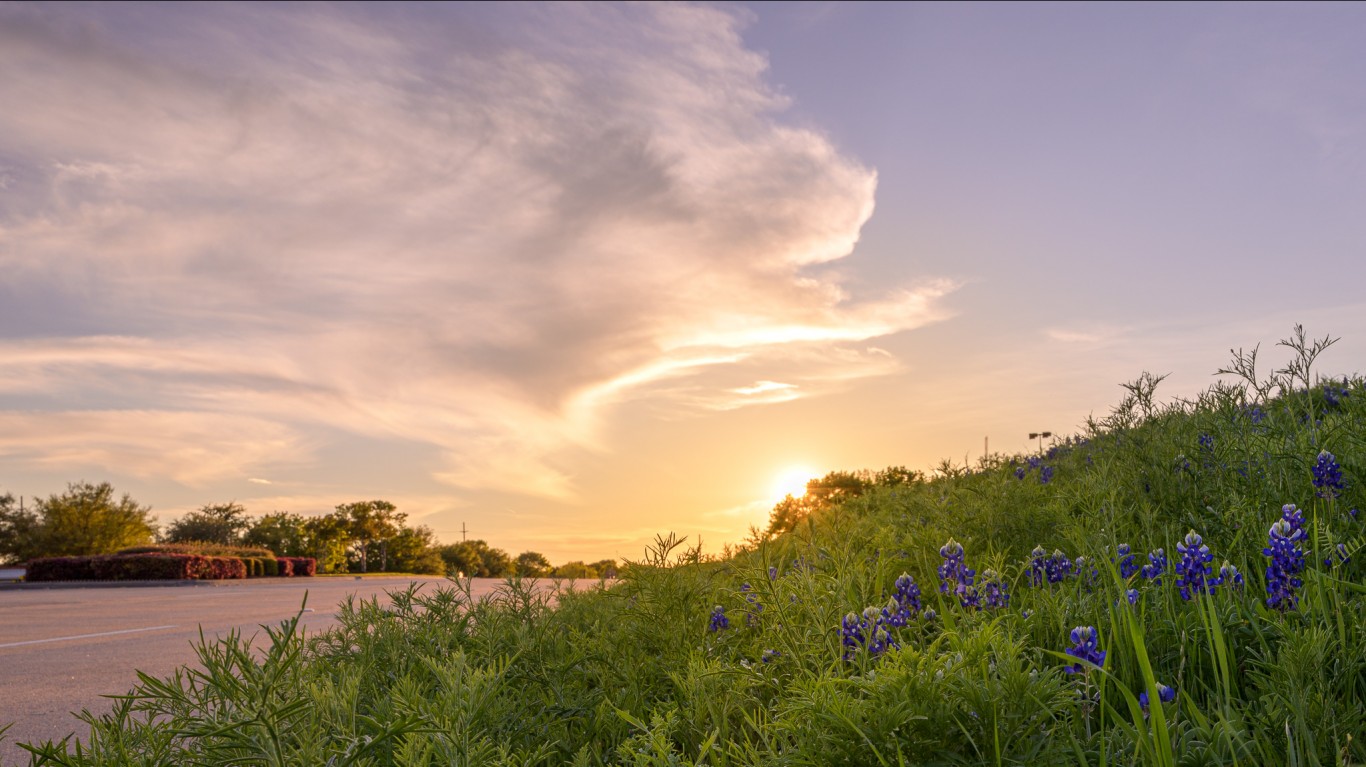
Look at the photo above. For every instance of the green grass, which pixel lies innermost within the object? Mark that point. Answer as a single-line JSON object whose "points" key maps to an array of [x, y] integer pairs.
{"points": [[628, 673]]}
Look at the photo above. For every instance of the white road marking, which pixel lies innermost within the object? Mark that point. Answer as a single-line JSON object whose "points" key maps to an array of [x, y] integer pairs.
{"points": [[84, 636]]}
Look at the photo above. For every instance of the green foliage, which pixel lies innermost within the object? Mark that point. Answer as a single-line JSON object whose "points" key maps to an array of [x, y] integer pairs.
{"points": [[687, 660], [221, 523], [413, 550], [530, 564], [367, 523], [281, 532], [85, 520], [476, 559]]}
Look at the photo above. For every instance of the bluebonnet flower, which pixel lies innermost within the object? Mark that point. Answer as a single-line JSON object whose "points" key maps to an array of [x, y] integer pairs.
{"points": [[1026, 613], [907, 594], [1020, 472], [881, 638], [1034, 462], [1050, 569], [1126, 561], [1327, 476], [1229, 575], [719, 621], [930, 614], [773, 573], [955, 576], [1045, 474], [1255, 414], [1132, 596], [851, 634], [1206, 443], [1193, 571], [1058, 567], [1038, 566], [1085, 641], [752, 614], [1082, 569], [994, 591], [1333, 393], [1157, 564], [1287, 560], [770, 655], [1343, 557], [1164, 693]]}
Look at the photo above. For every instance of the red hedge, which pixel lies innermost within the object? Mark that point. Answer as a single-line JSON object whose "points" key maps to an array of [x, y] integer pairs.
{"points": [[286, 566], [135, 567], [61, 569], [299, 566]]}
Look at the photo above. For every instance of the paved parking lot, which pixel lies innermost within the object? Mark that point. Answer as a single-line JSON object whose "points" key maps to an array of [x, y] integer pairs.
{"points": [[62, 648]]}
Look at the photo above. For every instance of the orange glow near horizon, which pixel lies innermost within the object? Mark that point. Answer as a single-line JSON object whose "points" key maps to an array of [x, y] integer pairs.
{"points": [[791, 481]]}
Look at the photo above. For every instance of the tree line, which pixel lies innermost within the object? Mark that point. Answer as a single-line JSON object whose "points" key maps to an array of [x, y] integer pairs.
{"points": [[358, 537]]}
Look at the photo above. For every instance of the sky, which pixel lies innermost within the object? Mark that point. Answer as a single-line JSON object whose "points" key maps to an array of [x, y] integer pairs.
{"points": [[568, 276]]}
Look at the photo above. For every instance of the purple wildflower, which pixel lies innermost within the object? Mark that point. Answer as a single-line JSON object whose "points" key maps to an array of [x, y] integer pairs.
{"points": [[1193, 571], [1287, 560], [1327, 476], [1157, 564], [1085, 648], [719, 621]]}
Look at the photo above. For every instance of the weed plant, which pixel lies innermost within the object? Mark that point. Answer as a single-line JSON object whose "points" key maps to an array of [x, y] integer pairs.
{"points": [[1180, 584]]}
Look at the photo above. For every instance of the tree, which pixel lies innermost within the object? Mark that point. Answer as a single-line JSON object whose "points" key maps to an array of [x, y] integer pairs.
{"points": [[575, 569], [370, 522], [532, 565], [414, 550], [605, 568], [833, 489], [221, 523], [326, 539], [16, 530], [476, 560], [84, 520], [284, 533]]}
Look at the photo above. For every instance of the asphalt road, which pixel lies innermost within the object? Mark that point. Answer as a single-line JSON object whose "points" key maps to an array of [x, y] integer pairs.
{"points": [[63, 648]]}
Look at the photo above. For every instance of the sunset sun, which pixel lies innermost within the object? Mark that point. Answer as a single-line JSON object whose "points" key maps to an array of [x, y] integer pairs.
{"points": [[791, 481]]}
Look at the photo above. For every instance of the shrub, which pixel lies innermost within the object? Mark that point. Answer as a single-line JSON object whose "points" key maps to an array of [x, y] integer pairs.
{"points": [[271, 568], [60, 569], [286, 565], [303, 566], [201, 548], [224, 568], [147, 567], [136, 567]]}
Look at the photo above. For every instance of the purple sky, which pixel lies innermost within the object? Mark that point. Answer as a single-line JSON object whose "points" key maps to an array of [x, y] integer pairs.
{"points": [[576, 274]]}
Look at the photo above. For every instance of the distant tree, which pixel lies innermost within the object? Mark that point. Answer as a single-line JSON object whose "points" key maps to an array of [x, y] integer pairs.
{"points": [[833, 489], [532, 565], [86, 519], [574, 569], [372, 522], [604, 568], [414, 550], [16, 530], [221, 523], [327, 539], [476, 559], [284, 533]]}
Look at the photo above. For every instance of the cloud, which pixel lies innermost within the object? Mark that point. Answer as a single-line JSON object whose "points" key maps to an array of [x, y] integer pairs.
{"points": [[472, 229]]}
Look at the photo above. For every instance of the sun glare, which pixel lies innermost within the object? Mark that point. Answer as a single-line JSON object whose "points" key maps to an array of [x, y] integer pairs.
{"points": [[792, 481]]}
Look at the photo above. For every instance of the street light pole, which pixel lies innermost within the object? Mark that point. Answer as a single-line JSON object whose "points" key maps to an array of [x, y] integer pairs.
{"points": [[1041, 436]]}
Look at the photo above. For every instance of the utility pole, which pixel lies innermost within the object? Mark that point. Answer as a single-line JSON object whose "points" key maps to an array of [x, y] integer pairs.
{"points": [[463, 531]]}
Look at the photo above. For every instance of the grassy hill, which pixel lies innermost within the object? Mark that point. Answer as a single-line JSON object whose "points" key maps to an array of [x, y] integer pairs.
{"points": [[1055, 608]]}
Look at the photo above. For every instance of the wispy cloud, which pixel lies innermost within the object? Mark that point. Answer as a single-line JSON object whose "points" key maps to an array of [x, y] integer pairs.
{"points": [[225, 228]]}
